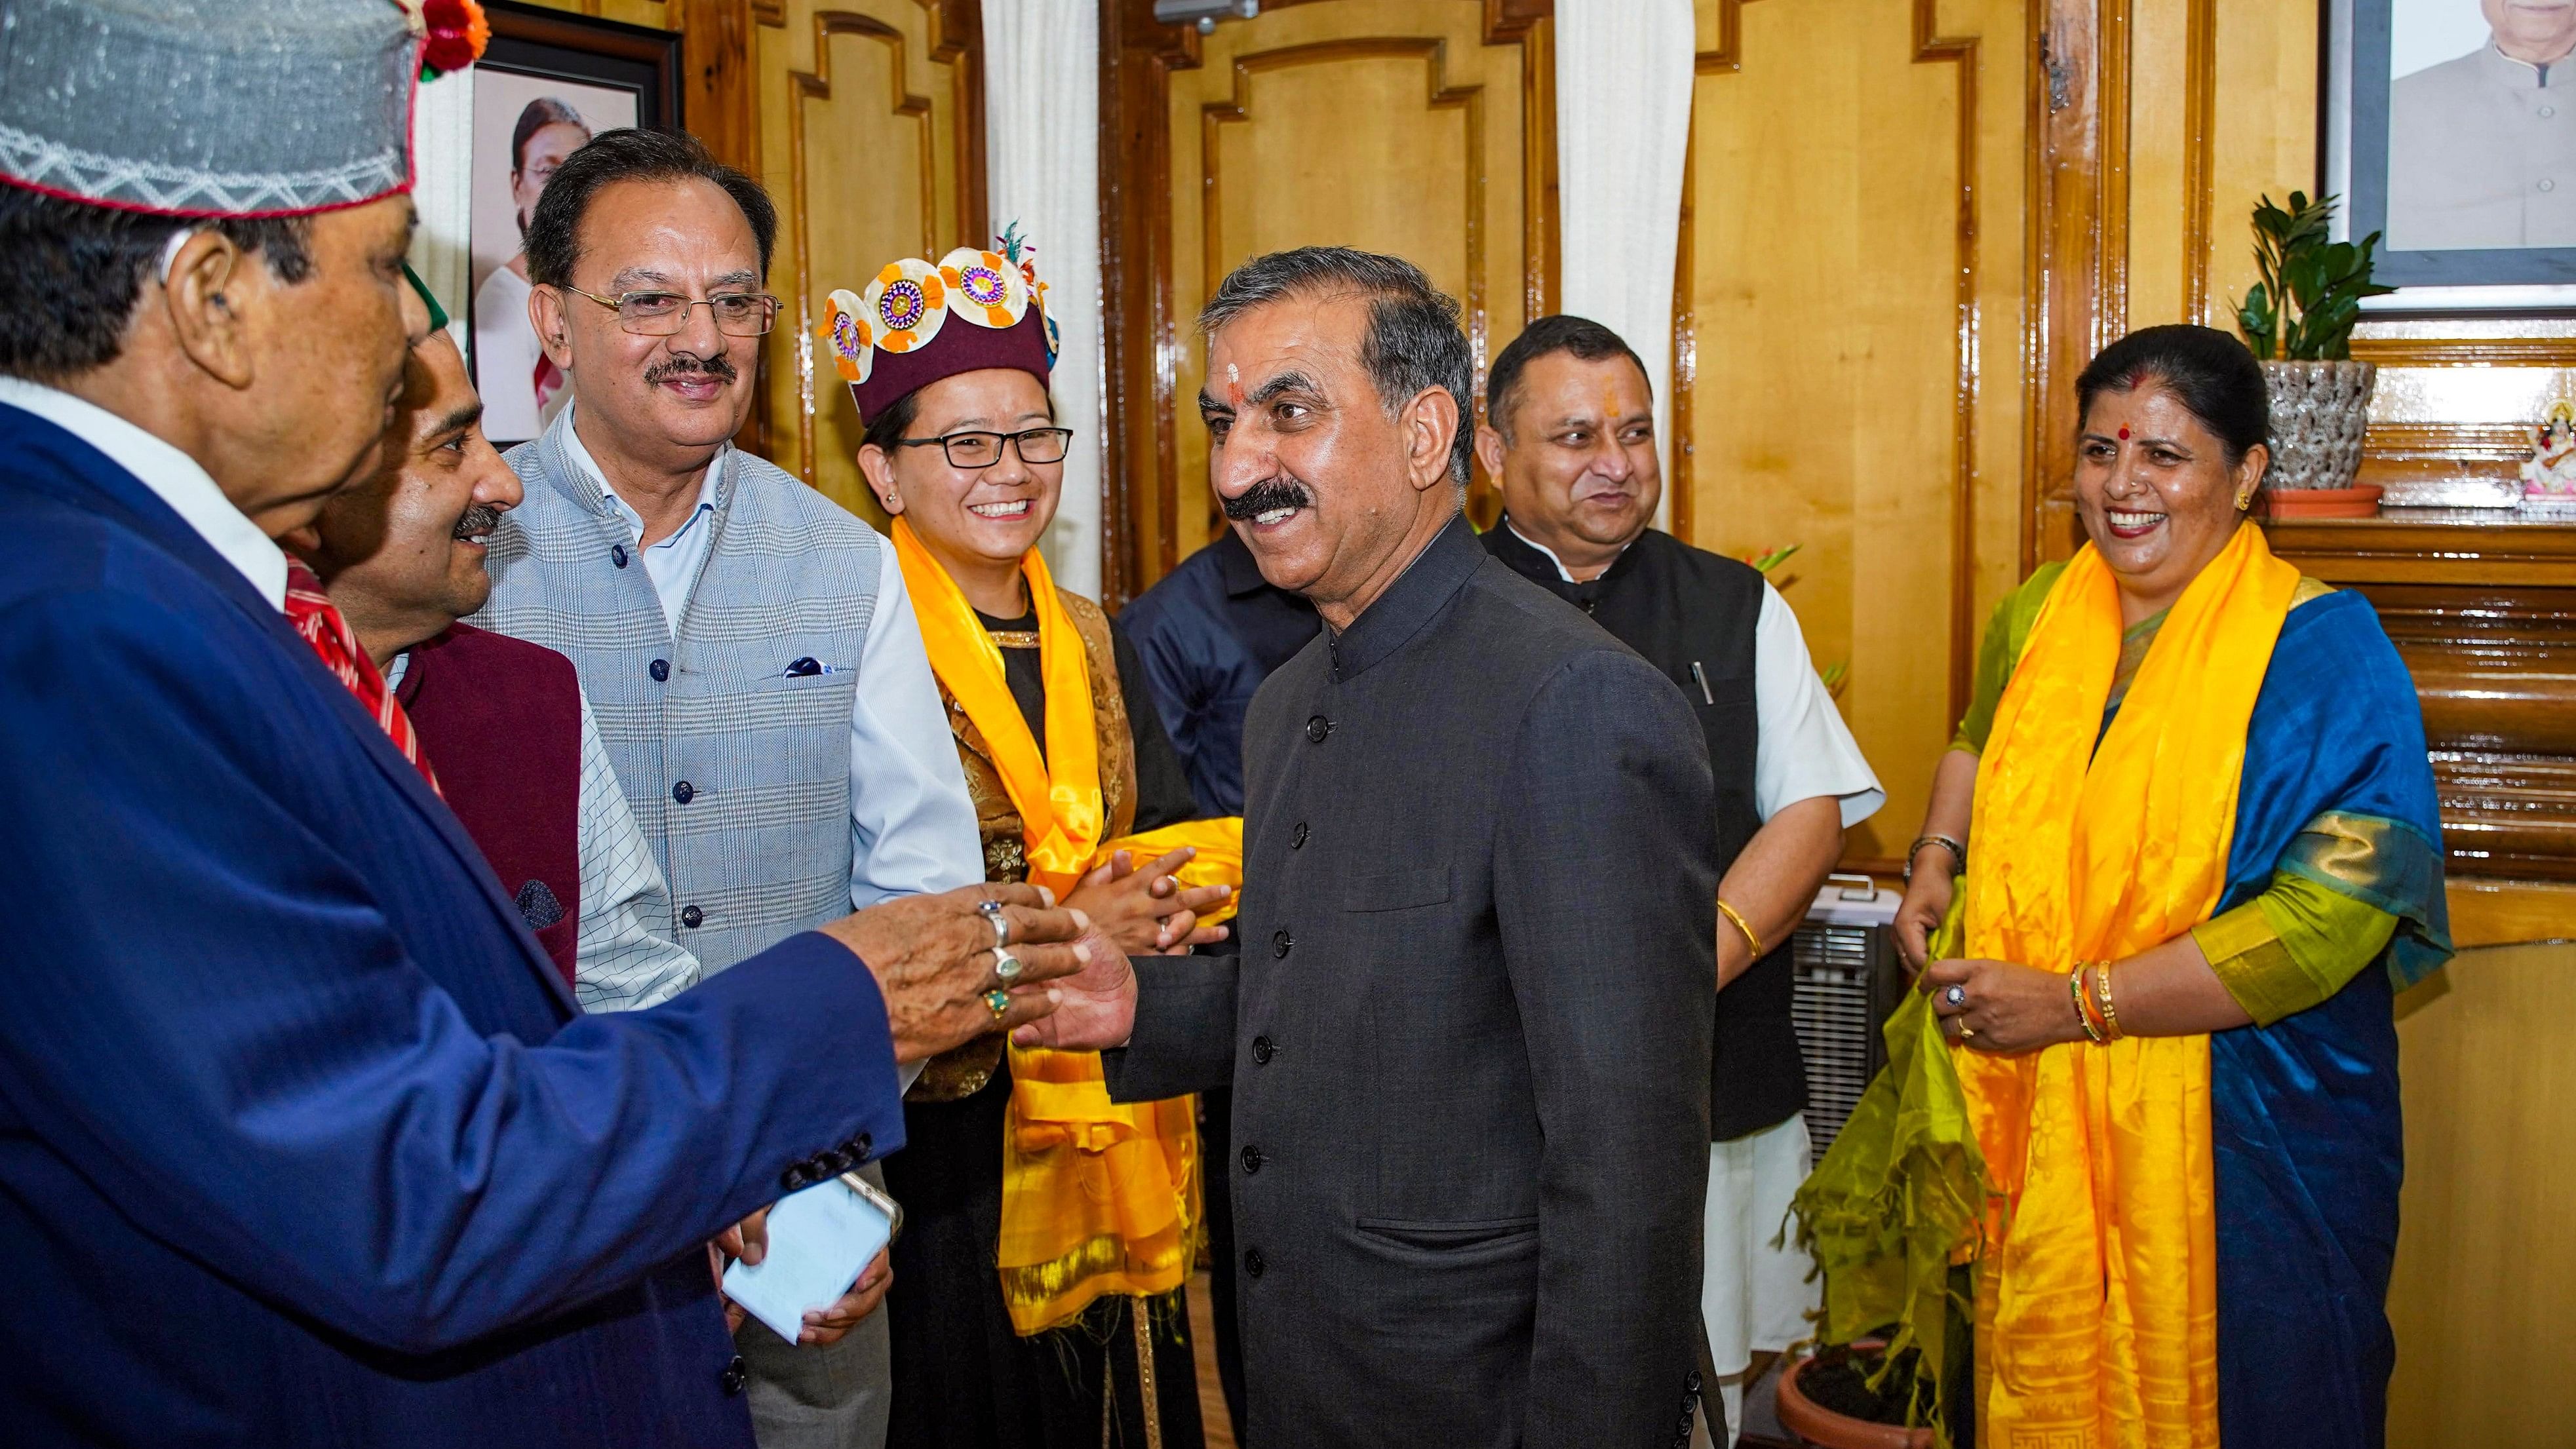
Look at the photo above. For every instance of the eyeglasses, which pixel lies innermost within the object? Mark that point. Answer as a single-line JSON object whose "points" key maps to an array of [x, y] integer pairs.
{"points": [[983, 450], [661, 314]]}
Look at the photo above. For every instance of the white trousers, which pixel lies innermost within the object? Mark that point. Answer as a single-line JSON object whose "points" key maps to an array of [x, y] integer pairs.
{"points": [[1759, 1286]]}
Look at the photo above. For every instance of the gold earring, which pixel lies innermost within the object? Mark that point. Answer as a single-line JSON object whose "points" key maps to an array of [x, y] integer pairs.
{"points": [[2245, 500]]}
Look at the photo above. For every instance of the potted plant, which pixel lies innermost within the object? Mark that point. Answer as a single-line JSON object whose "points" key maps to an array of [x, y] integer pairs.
{"points": [[2298, 320], [1850, 1396]]}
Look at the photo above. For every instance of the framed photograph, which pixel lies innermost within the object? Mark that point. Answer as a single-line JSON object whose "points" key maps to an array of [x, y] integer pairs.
{"points": [[2451, 130], [548, 83]]}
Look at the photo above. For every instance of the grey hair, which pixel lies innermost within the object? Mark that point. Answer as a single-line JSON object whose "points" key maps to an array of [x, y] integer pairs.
{"points": [[1413, 341]]}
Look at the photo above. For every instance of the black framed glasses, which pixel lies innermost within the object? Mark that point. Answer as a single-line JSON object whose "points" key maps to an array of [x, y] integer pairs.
{"points": [[983, 450], [660, 314]]}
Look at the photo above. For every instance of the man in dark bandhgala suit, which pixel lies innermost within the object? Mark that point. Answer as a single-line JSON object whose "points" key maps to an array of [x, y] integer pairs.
{"points": [[1468, 1034], [303, 1141]]}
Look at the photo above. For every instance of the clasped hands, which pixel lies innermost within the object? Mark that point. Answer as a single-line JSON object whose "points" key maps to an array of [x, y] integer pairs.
{"points": [[1139, 910]]}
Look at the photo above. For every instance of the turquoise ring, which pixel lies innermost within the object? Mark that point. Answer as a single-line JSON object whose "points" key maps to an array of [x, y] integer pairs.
{"points": [[998, 1003]]}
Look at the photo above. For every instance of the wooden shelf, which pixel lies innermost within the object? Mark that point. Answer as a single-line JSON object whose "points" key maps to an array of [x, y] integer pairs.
{"points": [[2482, 607]]}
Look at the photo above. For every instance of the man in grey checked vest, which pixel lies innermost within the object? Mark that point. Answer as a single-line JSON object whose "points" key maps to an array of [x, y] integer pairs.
{"points": [[746, 644]]}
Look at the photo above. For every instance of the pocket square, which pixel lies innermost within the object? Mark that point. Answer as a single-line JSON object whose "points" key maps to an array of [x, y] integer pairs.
{"points": [[538, 906]]}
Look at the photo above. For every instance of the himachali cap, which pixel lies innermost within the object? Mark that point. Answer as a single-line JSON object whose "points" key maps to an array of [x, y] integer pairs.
{"points": [[917, 323], [194, 108]]}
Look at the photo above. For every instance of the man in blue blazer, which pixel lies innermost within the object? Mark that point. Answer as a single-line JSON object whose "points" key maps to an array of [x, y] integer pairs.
{"points": [[302, 1141]]}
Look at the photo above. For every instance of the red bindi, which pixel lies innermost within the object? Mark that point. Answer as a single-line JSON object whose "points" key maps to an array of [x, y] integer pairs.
{"points": [[2124, 435]]}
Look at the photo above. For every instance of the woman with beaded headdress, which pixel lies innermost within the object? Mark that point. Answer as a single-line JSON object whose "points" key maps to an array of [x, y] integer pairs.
{"points": [[1038, 1287]]}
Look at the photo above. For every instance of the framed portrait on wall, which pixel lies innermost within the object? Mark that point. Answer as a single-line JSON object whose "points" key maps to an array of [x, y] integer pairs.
{"points": [[2451, 130], [549, 82]]}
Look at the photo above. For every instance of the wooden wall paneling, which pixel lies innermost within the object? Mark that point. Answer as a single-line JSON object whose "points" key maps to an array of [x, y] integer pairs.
{"points": [[2077, 244], [1415, 128], [876, 120], [1844, 249], [1144, 336], [2481, 1291]]}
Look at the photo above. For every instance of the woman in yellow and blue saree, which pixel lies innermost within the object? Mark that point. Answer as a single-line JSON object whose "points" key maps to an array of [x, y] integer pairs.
{"points": [[2200, 852]]}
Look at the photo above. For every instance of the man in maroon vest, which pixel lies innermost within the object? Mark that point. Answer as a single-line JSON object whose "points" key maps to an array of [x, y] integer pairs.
{"points": [[502, 722]]}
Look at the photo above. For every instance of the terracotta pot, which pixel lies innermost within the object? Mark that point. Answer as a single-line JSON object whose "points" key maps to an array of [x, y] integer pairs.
{"points": [[1826, 1429], [2360, 502], [2319, 411]]}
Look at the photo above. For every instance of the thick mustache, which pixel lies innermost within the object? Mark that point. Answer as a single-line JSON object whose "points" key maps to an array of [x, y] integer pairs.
{"points": [[1267, 496], [479, 520], [716, 367]]}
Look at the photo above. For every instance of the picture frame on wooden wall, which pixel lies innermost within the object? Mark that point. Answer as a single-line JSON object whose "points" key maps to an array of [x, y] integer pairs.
{"points": [[2450, 128], [549, 82]]}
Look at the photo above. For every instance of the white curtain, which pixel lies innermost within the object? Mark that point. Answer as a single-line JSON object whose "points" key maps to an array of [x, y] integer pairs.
{"points": [[1623, 103], [442, 156], [1042, 144]]}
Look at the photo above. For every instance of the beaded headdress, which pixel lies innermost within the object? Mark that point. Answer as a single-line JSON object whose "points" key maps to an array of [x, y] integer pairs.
{"points": [[917, 322]]}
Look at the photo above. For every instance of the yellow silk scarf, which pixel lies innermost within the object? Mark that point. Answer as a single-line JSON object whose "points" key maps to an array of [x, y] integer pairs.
{"points": [[1097, 1197], [2097, 1302]]}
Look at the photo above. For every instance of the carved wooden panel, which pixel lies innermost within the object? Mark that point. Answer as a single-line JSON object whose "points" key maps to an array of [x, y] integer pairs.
{"points": [[1847, 373], [1421, 129], [872, 117]]}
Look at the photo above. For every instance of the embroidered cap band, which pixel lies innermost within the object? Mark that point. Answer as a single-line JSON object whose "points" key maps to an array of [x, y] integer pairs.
{"points": [[194, 108]]}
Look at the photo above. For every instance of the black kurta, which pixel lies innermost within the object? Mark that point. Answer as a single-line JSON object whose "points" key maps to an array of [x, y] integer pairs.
{"points": [[1682, 606], [1469, 1030], [963, 1378]]}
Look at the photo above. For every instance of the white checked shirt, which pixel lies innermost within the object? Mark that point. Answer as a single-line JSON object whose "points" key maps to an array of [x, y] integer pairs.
{"points": [[619, 963]]}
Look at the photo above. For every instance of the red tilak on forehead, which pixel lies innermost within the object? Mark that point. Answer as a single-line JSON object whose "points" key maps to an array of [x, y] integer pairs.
{"points": [[2124, 435]]}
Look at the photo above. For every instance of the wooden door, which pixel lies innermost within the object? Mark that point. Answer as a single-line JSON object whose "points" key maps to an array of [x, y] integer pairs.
{"points": [[1418, 127]]}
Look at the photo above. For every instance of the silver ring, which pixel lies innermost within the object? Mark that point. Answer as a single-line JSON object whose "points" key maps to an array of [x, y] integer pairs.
{"points": [[1955, 995], [1006, 966], [992, 911]]}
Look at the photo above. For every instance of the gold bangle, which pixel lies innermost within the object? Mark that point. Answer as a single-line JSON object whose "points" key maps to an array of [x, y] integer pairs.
{"points": [[2102, 994], [2083, 1018], [1750, 939]]}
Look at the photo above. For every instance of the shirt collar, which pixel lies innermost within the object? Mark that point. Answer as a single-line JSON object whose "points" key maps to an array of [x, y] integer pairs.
{"points": [[177, 479], [1234, 561], [2519, 74], [1559, 564], [1427, 584], [710, 488]]}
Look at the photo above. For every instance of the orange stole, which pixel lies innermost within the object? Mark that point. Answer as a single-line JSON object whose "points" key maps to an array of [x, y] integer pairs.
{"points": [[2097, 1303], [1097, 1197]]}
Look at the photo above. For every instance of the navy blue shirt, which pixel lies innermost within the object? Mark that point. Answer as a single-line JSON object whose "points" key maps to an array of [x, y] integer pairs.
{"points": [[1208, 634]]}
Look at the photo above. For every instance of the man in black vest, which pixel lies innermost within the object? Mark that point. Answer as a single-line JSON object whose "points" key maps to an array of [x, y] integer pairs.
{"points": [[1573, 441]]}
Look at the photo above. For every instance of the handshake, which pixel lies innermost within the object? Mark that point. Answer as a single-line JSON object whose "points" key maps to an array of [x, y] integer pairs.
{"points": [[996, 957]]}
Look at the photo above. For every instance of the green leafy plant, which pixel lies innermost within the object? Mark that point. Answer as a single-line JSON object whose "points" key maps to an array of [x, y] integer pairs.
{"points": [[2310, 296]]}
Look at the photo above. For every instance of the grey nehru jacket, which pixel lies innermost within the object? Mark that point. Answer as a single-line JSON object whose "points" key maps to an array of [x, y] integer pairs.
{"points": [[1469, 1031], [2482, 153]]}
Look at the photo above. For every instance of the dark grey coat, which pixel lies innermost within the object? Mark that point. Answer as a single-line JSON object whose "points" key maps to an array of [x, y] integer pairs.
{"points": [[1469, 1032]]}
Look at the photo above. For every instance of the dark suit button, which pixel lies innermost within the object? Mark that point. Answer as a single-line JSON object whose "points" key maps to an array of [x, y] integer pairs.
{"points": [[691, 917], [617, 554], [731, 1379], [1254, 1265], [1280, 941], [794, 1177], [1297, 837], [1690, 1381], [1252, 1159], [660, 669], [684, 792], [837, 1161], [1317, 728], [1262, 1051], [864, 1145]]}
